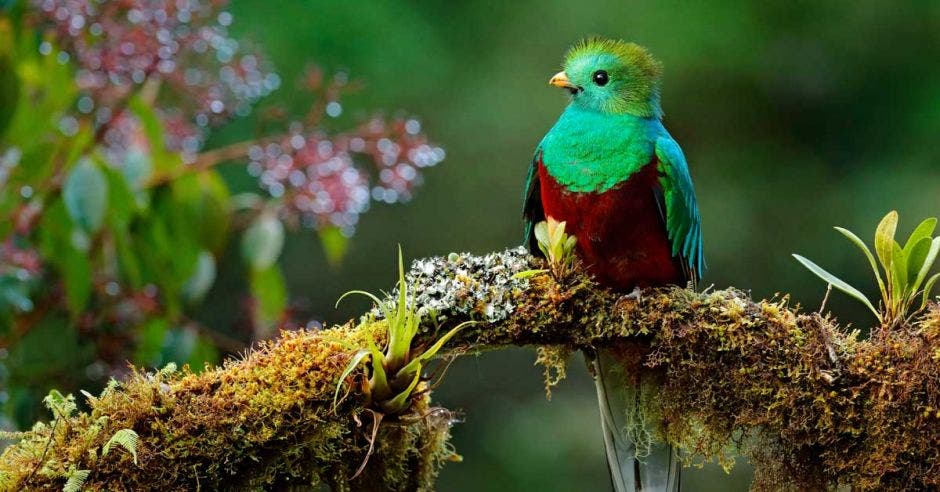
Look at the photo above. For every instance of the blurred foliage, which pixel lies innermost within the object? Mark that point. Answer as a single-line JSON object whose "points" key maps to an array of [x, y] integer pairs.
{"points": [[115, 219], [794, 116]]}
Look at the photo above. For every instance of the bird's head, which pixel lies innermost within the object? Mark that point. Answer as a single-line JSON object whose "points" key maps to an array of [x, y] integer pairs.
{"points": [[612, 76]]}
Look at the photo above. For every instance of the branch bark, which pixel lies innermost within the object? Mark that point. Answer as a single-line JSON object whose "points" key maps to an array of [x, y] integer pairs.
{"points": [[811, 404]]}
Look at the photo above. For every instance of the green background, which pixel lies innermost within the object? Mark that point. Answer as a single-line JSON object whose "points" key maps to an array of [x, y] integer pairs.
{"points": [[794, 116]]}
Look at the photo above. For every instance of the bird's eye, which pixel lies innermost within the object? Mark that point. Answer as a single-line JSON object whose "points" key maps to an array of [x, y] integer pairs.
{"points": [[601, 78]]}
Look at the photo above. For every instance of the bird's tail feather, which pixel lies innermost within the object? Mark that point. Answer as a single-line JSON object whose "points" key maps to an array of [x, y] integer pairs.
{"points": [[637, 460]]}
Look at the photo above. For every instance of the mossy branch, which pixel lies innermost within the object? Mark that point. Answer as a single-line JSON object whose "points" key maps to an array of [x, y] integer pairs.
{"points": [[811, 404]]}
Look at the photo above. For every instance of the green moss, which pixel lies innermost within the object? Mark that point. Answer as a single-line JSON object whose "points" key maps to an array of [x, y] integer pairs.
{"points": [[812, 405]]}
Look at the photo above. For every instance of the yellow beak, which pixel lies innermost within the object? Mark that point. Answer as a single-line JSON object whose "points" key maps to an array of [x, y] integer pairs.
{"points": [[560, 79]]}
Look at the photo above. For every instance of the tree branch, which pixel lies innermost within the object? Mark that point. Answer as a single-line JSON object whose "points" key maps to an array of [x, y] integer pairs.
{"points": [[811, 404]]}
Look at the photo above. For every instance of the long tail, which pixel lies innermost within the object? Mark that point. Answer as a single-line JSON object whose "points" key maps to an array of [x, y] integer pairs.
{"points": [[637, 461]]}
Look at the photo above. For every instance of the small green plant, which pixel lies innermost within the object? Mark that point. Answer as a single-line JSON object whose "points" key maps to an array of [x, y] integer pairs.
{"points": [[393, 374], [556, 245], [905, 269], [76, 480], [127, 439]]}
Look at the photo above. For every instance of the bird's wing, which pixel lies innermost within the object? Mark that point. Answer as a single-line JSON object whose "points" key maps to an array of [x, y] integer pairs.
{"points": [[683, 223], [532, 211]]}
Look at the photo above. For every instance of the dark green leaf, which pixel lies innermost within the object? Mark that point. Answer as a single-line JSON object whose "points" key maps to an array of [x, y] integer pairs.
{"points": [[76, 274]]}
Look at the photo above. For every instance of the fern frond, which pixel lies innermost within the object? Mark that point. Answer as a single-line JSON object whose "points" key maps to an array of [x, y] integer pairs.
{"points": [[76, 480], [60, 406], [127, 439]]}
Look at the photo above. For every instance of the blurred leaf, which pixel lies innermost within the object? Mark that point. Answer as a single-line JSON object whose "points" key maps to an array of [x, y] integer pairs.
{"points": [[884, 239], [9, 83], [262, 241], [195, 289], [150, 341], [129, 264], [162, 161], [86, 195], [76, 274], [136, 168], [121, 201], [57, 243], [335, 245], [836, 282], [202, 353], [50, 351], [270, 294], [165, 243], [201, 209], [15, 294]]}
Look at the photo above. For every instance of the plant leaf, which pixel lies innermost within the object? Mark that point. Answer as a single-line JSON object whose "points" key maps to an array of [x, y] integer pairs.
{"points": [[76, 481], [923, 230], [884, 240], [898, 272], [334, 244], [379, 379], [400, 402], [378, 303], [915, 259], [927, 288], [195, 289], [927, 263], [836, 282], [868, 254], [85, 193], [263, 241], [127, 439], [433, 349], [350, 367]]}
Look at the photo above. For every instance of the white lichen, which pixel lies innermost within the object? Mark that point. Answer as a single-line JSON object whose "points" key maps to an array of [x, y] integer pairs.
{"points": [[465, 285]]}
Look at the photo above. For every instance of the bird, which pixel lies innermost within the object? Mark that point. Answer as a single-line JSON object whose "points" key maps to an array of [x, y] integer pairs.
{"points": [[611, 171]]}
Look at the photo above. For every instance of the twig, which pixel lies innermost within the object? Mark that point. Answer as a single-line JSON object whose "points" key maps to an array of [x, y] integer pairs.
{"points": [[822, 307]]}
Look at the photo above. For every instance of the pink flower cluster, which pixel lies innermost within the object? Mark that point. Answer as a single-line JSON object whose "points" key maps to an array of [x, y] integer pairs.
{"points": [[19, 262], [322, 180], [118, 45]]}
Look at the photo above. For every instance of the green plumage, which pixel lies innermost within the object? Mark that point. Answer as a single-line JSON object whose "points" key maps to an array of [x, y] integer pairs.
{"points": [[608, 133]]}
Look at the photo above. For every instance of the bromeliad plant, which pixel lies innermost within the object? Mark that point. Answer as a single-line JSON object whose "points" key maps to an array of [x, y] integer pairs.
{"points": [[556, 245], [394, 374], [905, 269]]}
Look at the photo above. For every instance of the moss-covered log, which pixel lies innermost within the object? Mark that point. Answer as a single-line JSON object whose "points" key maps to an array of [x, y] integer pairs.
{"points": [[811, 404]]}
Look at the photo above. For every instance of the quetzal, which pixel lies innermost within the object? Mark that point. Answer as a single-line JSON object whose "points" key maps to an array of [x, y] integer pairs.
{"points": [[612, 172]]}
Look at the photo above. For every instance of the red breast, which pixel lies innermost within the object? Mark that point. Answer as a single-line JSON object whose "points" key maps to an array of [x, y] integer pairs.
{"points": [[622, 238]]}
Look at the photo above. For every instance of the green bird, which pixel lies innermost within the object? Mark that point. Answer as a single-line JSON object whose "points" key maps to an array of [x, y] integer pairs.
{"points": [[612, 172]]}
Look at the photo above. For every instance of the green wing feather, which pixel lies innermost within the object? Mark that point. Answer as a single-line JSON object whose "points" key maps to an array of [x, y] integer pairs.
{"points": [[682, 218], [532, 210]]}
